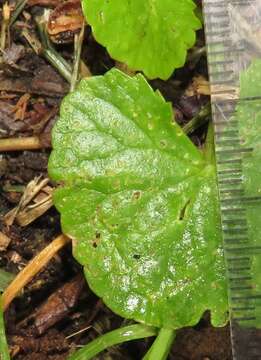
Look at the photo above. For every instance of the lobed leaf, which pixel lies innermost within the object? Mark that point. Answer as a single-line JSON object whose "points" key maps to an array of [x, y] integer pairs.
{"points": [[149, 35], [140, 200]]}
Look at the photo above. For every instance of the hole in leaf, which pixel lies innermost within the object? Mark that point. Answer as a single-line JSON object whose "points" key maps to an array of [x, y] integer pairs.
{"points": [[183, 211], [94, 244], [136, 256]]}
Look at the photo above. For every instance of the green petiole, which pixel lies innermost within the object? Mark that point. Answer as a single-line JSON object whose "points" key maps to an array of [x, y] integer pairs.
{"points": [[127, 333], [161, 347], [4, 353]]}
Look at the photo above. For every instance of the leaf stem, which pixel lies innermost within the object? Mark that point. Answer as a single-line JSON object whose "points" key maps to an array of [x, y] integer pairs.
{"points": [[197, 121], [51, 54], [161, 346], [127, 333], [46, 43], [4, 352]]}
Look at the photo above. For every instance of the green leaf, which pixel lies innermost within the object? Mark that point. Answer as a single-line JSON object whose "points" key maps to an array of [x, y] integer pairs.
{"points": [[148, 35], [140, 200]]}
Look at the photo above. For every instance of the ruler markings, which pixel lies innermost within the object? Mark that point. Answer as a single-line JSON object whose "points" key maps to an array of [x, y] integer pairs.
{"points": [[243, 248], [241, 288], [223, 58], [230, 181], [226, 51], [245, 318], [234, 151], [243, 199], [227, 122], [239, 258], [231, 171], [239, 269], [236, 99], [221, 42], [227, 142], [227, 133], [243, 308], [220, 62], [235, 221], [242, 278], [248, 297], [216, 33], [230, 161], [221, 73]]}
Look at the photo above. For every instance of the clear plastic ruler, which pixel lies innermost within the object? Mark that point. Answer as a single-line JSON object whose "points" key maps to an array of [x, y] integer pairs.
{"points": [[233, 37]]}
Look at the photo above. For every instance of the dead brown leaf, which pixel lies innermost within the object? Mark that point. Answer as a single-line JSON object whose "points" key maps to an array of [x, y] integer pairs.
{"points": [[65, 20], [4, 241], [21, 106], [59, 304]]}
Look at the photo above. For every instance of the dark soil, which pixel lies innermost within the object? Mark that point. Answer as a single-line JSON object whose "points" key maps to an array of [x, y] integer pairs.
{"points": [[58, 303]]}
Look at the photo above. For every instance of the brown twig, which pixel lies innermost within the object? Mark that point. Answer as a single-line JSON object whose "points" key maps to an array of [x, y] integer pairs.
{"points": [[4, 25], [23, 143], [32, 268]]}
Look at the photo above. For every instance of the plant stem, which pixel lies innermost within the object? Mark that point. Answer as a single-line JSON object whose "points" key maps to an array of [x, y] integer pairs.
{"points": [[114, 337], [32, 268], [18, 9], [161, 346], [197, 121], [4, 26], [78, 40], [51, 54], [23, 143], [56, 61], [4, 352]]}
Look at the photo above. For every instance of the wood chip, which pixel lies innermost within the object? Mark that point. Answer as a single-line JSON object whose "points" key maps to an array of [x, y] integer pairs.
{"points": [[31, 190], [59, 304], [28, 215], [199, 86], [4, 241], [21, 106]]}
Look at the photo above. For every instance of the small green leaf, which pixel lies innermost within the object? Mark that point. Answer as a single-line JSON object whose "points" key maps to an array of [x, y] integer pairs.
{"points": [[141, 202], [148, 35]]}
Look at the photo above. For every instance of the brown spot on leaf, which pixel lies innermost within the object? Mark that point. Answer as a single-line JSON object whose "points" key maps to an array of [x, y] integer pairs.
{"points": [[136, 195]]}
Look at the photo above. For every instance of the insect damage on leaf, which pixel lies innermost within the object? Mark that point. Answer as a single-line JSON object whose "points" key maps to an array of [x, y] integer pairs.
{"points": [[148, 35], [141, 201]]}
